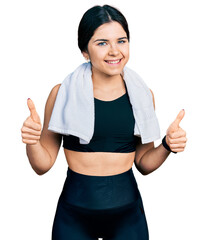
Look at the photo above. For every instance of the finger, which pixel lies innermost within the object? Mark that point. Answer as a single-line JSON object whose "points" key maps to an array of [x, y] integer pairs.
{"points": [[34, 115], [177, 140], [178, 150], [30, 131], [30, 137], [30, 142], [30, 124], [179, 117], [179, 133], [178, 145], [175, 124]]}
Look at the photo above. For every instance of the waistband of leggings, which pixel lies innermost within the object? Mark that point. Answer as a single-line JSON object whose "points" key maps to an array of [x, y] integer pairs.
{"points": [[113, 210], [100, 192]]}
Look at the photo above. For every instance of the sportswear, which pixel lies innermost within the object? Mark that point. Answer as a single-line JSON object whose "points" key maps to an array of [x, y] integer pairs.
{"points": [[74, 108], [114, 128]]}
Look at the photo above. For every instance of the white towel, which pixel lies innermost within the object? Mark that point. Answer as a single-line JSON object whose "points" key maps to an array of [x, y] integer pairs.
{"points": [[73, 111]]}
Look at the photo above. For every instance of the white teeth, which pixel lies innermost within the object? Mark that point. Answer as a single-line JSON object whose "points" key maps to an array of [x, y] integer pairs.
{"points": [[113, 62]]}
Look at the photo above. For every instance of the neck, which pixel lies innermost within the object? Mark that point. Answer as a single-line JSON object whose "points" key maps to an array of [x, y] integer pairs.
{"points": [[106, 82]]}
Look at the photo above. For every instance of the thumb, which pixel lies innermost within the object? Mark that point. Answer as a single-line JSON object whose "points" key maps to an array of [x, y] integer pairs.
{"points": [[175, 125], [34, 115]]}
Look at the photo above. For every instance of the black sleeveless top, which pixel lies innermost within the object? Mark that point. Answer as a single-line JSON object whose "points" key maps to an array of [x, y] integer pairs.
{"points": [[113, 131]]}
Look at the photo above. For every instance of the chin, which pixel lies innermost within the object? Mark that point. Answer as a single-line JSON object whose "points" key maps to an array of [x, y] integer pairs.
{"points": [[109, 72], [112, 73], [115, 71]]}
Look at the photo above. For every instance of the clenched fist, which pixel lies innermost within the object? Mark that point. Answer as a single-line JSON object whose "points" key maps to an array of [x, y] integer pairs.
{"points": [[175, 135], [31, 129]]}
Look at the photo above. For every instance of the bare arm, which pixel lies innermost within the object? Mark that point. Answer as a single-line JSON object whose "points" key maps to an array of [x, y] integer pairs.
{"points": [[41, 146], [148, 158]]}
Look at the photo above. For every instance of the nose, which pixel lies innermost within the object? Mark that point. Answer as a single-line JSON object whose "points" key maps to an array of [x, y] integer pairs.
{"points": [[113, 51]]}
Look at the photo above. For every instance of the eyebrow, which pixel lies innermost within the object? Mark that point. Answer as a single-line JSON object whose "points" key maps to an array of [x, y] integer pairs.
{"points": [[105, 40]]}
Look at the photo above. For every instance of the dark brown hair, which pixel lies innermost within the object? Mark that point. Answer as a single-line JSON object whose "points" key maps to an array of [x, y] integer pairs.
{"points": [[95, 17]]}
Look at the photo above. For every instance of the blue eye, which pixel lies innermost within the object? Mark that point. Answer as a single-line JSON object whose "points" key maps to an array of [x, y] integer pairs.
{"points": [[102, 43], [121, 41]]}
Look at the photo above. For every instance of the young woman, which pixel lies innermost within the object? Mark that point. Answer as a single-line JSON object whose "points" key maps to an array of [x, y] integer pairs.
{"points": [[100, 197]]}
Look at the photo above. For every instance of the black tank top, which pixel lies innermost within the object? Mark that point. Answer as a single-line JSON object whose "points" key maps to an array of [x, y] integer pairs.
{"points": [[113, 131]]}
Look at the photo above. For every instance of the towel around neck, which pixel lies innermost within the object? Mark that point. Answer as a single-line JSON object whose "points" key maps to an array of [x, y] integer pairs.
{"points": [[73, 111]]}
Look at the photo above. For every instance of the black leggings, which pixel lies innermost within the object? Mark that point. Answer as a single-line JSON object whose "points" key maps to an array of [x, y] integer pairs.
{"points": [[92, 207]]}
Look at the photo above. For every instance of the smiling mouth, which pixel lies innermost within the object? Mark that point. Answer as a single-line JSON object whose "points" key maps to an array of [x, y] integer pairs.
{"points": [[113, 61]]}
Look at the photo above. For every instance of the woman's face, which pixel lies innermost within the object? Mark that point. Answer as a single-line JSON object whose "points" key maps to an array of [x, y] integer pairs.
{"points": [[108, 49]]}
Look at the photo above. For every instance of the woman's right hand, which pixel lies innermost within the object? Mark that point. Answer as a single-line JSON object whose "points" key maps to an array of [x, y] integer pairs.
{"points": [[31, 129]]}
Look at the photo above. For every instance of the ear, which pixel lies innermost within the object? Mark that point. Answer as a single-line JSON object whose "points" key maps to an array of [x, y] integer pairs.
{"points": [[85, 55]]}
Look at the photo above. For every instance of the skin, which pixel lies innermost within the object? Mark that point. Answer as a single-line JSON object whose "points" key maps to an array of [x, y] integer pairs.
{"points": [[42, 145], [107, 76]]}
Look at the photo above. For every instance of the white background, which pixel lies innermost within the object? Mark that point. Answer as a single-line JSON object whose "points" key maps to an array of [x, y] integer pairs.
{"points": [[168, 48]]}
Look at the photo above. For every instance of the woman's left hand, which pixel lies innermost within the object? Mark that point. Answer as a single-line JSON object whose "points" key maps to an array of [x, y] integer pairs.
{"points": [[175, 135]]}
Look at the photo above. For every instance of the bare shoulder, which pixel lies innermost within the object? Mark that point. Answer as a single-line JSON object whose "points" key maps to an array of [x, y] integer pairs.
{"points": [[54, 91], [153, 98], [52, 96]]}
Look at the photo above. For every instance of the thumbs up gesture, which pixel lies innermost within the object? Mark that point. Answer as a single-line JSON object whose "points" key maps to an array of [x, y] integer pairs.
{"points": [[31, 129], [175, 135]]}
